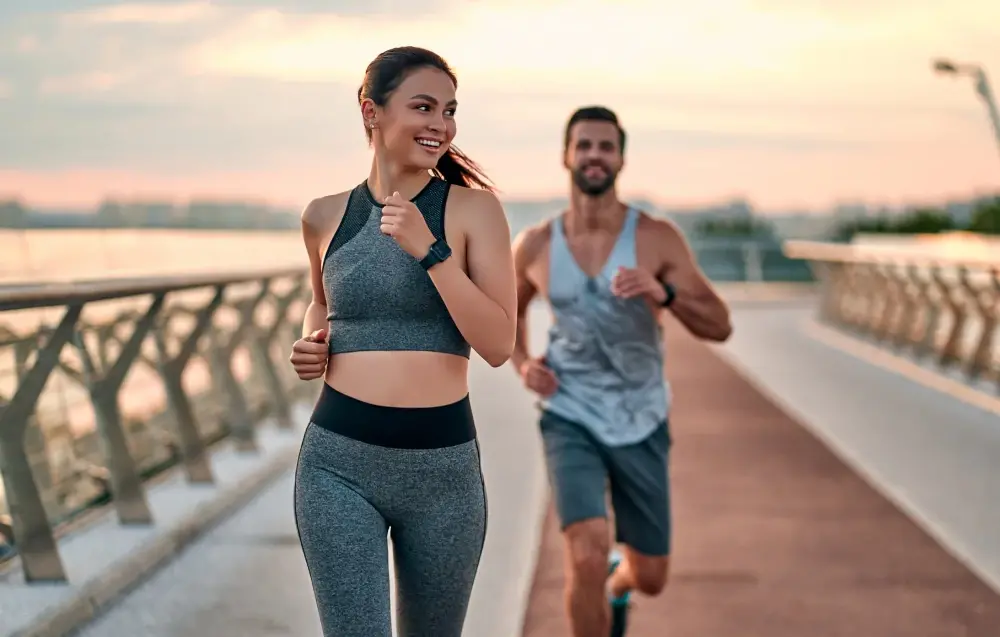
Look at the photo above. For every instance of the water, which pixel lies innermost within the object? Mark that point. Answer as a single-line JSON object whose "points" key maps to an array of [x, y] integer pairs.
{"points": [[42, 255], [36, 255], [31, 256]]}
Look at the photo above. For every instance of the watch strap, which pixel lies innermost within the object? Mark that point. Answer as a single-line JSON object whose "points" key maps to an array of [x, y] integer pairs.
{"points": [[671, 292], [439, 251]]}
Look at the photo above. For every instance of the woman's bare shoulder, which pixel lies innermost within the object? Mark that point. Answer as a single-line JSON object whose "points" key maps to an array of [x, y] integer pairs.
{"points": [[477, 209], [323, 213]]}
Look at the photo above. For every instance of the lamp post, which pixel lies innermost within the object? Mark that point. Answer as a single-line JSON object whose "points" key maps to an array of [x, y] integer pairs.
{"points": [[976, 72]]}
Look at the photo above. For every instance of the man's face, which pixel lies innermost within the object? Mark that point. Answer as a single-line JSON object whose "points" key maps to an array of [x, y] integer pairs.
{"points": [[594, 156]]}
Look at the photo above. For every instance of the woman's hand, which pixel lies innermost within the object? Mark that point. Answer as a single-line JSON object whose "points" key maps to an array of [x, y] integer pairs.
{"points": [[310, 355], [403, 221]]}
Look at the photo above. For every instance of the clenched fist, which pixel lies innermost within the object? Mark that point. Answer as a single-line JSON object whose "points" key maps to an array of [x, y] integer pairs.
{"points": [[538, 377], [403, 221], [632, 282], [310, 355]]}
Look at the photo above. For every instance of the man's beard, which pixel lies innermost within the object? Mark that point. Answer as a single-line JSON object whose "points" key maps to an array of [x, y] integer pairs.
{"points": [[591, 187]]}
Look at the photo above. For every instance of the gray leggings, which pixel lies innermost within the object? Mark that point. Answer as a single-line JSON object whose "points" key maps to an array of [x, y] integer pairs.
{"points": [[431, 501]]}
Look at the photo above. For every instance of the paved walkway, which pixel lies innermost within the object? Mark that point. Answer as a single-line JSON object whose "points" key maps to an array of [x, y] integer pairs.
{"points": [[246, 577], [775, 536], [932, 452]]}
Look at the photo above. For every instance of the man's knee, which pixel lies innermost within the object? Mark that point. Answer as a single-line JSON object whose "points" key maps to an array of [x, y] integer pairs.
{"points": [[587, 546], [650, 572]]}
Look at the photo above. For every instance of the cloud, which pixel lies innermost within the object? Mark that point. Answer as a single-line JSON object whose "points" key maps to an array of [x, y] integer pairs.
{"points": [[712, 50], [83, 83], [393, 9], [244, 124], [561, 40], [873, 10], [20, 9], [172, 12], [151, 13], [26, 44], [747, 95]]}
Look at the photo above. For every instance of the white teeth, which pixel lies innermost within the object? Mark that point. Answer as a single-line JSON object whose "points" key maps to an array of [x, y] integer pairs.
{"points": [[429, 142]]}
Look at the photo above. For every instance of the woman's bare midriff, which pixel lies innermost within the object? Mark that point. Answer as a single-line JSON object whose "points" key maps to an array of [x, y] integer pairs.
{"points": [[400, 379]]}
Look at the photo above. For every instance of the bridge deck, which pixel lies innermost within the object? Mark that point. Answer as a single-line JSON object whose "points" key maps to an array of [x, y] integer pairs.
{"points": [[775, 535]]}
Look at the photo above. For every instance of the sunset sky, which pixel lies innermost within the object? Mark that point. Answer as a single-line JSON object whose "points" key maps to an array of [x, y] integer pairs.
{"points": [[791, 103]]}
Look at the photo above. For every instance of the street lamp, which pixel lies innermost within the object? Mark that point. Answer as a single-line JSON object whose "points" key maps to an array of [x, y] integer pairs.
{"points": [[976, 72]]}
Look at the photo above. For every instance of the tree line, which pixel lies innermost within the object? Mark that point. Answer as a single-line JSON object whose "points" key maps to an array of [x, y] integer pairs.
{"points": [[985, 219]]}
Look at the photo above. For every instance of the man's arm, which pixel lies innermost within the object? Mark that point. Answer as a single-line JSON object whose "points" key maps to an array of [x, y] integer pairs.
{"points": [[696, 304], [526, 247]]}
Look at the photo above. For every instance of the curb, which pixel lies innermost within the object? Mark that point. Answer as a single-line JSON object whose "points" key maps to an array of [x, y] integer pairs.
{"points": [[95, 596]]}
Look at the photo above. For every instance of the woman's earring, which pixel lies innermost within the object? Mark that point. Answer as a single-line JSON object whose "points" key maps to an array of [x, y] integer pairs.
{"points": [[372, 125]]}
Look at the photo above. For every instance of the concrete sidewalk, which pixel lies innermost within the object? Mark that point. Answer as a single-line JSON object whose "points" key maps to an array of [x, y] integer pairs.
{"points": [[930, 446], [775, 536], [104, 559], [245, 574]]}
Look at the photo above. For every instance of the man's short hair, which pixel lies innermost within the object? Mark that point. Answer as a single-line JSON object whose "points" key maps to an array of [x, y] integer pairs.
{"points": [[594, 114]]}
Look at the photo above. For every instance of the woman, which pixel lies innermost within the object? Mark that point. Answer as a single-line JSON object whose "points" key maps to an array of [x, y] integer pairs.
{"points": [[410, 270]]}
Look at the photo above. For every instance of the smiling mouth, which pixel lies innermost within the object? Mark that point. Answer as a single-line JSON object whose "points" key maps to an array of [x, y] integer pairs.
{"points": [[431, 144]]}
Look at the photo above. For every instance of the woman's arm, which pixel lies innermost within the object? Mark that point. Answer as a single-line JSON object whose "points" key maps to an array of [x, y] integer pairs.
{"points": [[310, 353], [483, 303], [312, 235]]}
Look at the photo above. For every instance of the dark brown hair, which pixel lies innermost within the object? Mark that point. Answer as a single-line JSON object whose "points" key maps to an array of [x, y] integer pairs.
{"points": [[384, 75], [594, 114]]}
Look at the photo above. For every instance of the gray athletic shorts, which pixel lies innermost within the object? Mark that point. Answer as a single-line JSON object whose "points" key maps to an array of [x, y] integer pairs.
{"points": [[582, 470]]}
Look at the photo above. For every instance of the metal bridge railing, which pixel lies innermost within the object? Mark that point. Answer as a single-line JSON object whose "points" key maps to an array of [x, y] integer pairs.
{"points": [[104, 383], [929, 305]]}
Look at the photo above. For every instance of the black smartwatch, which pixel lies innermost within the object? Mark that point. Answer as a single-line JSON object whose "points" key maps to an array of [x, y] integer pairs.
{"points": [[671, 294], [439, 251]]}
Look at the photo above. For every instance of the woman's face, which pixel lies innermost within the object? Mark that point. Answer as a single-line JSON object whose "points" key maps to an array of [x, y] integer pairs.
{"points": [[417, 124]]}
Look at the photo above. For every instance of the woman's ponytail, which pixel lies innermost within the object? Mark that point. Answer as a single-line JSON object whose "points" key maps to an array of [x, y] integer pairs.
{"points": [[456, 168]]}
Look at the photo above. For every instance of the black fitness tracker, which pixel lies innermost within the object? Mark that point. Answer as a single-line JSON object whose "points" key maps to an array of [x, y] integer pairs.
{"points": [[671, 294], [439, 251]]}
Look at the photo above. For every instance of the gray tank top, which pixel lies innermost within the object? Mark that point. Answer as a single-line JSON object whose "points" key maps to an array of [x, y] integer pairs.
{"points": [[606, 352], [378, 297]]}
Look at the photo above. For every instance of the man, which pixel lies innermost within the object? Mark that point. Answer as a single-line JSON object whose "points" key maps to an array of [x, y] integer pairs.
{"points": [[608, 271]]}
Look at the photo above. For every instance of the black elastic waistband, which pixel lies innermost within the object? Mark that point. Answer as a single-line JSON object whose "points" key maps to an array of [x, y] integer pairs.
{"points": [[400, 427]]}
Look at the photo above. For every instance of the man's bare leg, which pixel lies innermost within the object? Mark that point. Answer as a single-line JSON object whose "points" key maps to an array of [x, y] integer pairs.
{"points": [[587, 545], [638, 572]]}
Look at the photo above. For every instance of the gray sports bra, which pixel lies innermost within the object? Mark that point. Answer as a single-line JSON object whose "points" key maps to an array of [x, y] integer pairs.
{"points": [[378, 297]]}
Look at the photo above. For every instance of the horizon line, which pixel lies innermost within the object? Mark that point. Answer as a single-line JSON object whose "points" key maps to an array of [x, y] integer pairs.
{"points": [[660, 204]]}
